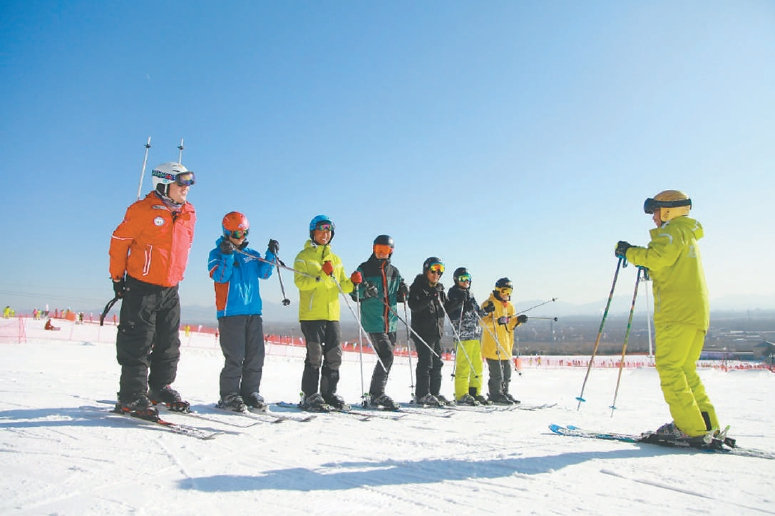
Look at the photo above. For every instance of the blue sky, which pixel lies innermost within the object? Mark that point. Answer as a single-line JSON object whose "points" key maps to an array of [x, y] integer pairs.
{"points": [[515, 138]]}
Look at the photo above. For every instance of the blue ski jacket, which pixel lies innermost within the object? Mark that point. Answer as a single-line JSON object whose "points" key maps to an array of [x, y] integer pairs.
{"points": [[236, 278]]}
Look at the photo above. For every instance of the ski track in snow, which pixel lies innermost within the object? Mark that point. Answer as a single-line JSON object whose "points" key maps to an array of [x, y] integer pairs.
{"points": [[61, 457]]}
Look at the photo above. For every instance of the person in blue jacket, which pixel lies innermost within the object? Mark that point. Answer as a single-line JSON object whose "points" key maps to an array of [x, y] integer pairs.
{"points": [[235, 268]]}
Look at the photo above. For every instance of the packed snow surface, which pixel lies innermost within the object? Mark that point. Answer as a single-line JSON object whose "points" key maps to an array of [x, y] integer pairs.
{"points": [[62, 454]]}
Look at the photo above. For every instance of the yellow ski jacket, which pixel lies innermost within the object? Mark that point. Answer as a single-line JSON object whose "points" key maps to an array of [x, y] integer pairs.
{"points": [[502, 348], [673, 260], [318, 293]]}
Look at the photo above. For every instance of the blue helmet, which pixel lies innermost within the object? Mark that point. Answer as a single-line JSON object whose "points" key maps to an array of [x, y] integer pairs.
{"points": [[318, 222]]}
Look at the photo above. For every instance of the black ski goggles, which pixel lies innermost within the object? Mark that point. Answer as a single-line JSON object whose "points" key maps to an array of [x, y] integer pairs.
{"points": [[652, 205], [185, 179]]}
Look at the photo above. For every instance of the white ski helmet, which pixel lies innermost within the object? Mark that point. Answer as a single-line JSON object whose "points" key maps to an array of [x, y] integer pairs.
{"points": [[166, 173]]}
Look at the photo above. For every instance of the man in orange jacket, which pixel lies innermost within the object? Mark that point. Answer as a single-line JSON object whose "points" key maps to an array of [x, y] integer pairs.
{"points": [[148, 256]]}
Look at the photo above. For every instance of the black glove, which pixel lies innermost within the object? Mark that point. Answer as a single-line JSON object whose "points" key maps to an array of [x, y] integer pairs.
{"points": [[488, 307], [273, 246], [226, 246], [522, 319], [621, 249], [369, 290], [119, 286], [403, 292]]}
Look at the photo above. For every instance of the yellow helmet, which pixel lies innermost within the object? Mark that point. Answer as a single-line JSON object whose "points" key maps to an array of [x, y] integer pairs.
{"points": [[670, 203]]}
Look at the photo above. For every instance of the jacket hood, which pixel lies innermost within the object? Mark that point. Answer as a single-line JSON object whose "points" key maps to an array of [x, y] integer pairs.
{"points": [[686, 222]]}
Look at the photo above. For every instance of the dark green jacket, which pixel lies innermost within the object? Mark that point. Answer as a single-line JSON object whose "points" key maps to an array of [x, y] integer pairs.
{"points": [[376, 317]]}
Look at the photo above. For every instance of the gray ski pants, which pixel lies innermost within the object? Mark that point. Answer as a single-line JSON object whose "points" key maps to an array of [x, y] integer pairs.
{"points": [[242, 343]]}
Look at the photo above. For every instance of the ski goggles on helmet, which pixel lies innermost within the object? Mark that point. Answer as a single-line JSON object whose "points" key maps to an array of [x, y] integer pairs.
{"points": [[324, 226], [463, 278], [382, 249], [506, 291], [437, 268], [651, 205], [239, 233]]}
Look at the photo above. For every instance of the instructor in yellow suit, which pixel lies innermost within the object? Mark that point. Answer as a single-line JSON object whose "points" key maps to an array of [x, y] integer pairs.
{"points": [[681, 310]]}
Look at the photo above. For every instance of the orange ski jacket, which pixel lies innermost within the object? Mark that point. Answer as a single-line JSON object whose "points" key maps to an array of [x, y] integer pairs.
{"points": [[152, 243]]}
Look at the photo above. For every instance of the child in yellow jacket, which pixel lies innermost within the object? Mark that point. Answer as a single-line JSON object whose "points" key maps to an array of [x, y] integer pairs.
{"points": [[498, 340]]}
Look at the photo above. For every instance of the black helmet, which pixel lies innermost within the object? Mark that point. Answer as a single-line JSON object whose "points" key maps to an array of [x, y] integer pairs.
{"points": [[384, 240], [504, 283], [460, 271], [433, 260]]}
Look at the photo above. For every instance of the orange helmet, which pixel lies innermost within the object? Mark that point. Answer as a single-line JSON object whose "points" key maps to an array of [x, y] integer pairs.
{"points": [[235, 224]]}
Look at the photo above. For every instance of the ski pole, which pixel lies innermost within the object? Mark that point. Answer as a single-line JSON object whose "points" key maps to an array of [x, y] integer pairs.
{"points": [[536, 306], [279, 264], [358, 320], [580, 397], [648, 315], [107, 309], [409, 354], [409, 328], [142, 172], [180, 153], [498, 353], [519, 353], [360, 345], [458, 342], [546, 318], [286, 301], [626, 339]]}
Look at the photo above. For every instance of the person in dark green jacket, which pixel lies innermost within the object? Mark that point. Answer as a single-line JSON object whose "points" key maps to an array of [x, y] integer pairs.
{"points": [[319, 277], [382, 287], [681, 310]]}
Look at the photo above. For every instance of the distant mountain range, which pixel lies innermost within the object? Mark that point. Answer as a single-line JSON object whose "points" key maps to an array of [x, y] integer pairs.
{"points": [[620, 306]]}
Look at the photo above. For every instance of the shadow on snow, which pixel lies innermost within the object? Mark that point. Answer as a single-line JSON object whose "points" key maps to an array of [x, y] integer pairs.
{"points": [[349, 475]]}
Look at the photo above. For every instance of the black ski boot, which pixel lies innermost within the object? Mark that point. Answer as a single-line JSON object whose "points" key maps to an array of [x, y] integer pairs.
{"points": [[315, 403], [255, 402], [384, 401], [169, 397], [336, 401], [232, 402], [137, 405]]}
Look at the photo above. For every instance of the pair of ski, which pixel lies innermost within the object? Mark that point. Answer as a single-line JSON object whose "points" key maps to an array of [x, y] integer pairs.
{"points": [[364, 414], [197, 432], [207, 433], [503, 408], [713, 445]]}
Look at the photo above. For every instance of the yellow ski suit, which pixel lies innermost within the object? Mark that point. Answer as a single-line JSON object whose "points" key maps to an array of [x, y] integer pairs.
{"points": [[681, 319]]}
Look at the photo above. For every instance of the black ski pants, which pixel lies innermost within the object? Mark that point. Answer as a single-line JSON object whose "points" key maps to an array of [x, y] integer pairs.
{"points": [[324, 356], [384, 344], [500, 376], [148, 338], [428, 366], [242, 344]]}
